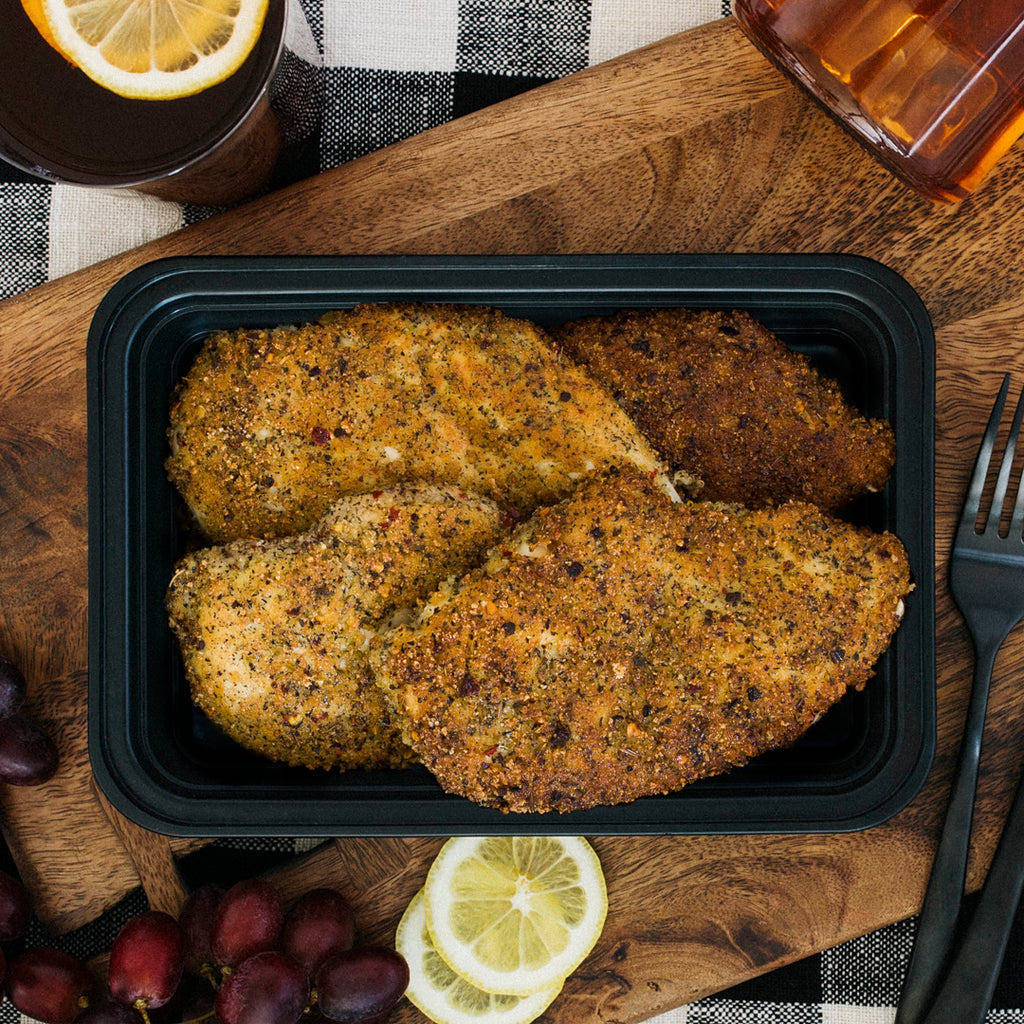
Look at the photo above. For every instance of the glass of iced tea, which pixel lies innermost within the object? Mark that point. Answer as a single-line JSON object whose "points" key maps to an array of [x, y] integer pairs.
{"points": [[935, 88], [216, 147]]}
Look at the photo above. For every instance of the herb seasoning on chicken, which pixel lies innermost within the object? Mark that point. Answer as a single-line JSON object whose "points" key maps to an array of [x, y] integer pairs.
{"points": [[274, 632], [723, 399], [270, 426], [618, 645]]}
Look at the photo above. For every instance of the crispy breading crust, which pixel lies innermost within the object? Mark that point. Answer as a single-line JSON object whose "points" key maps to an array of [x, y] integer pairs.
{"points": [[268, 427], [725, 400], [274, 633], [617, 645]]}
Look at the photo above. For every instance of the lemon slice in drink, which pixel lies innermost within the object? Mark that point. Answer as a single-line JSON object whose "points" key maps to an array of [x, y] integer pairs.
{"points": [[439, 993], [515, 914], [156, 49]]}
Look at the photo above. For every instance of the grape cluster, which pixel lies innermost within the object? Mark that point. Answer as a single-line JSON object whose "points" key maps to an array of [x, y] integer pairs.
{"points": [[230, 957], [28, 756]]}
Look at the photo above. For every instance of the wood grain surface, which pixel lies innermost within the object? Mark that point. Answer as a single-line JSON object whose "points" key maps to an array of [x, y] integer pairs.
{"points": [[693, 144]]}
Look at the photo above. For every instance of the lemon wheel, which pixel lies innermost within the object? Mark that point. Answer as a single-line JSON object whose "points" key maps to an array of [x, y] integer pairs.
{"points": [[445, 997], [515, 914], [156, 49]]}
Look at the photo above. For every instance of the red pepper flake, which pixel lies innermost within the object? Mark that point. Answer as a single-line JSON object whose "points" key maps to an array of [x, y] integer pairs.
{"points": [[468, 686], [321, 435], [393, 514]]}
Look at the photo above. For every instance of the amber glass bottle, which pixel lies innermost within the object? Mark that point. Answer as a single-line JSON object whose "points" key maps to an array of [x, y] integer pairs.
{"points": [[935, 88]]}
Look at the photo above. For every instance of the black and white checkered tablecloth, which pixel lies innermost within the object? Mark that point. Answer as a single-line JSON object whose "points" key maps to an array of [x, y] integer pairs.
{"points": [[394, 68]]}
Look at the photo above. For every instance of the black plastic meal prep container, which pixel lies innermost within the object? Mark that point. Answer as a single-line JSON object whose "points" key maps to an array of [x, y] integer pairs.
{"points": [[166, 767]]}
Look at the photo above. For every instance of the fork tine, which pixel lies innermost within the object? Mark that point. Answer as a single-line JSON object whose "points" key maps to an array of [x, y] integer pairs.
{"points": [[1002, 481], [1017, 521], [972, 502]]}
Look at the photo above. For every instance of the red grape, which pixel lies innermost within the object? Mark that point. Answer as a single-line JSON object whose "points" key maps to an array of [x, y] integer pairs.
{"points": [[248, 921], [49, 984], [196, 922], [12, 688], [146, 960], [267, 988], [361, 984], [320, 924], [15, 908], [28, 756]]}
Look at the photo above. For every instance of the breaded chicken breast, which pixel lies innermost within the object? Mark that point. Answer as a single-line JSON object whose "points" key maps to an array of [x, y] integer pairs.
{"points": [[270, 426], [618, 645], [722, 398], [273, 632]]}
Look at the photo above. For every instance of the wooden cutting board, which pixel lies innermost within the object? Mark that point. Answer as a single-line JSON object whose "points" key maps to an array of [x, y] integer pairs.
{"points": [[693, 144]]}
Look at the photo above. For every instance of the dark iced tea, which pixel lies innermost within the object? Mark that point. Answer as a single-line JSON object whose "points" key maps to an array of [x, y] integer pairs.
{"points": [[935, 87], [214, 148]]}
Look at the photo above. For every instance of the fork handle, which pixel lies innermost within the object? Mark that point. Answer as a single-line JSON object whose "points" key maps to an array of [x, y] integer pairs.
{"points": [[967, 990], [941, 908]]}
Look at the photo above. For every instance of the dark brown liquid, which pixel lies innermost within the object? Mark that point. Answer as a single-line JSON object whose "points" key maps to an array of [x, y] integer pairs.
{"points": [[935, 86], [56, 122]]}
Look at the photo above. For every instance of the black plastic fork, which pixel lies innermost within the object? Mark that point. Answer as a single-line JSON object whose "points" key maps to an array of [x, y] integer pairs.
{"points": [[987, 582]]}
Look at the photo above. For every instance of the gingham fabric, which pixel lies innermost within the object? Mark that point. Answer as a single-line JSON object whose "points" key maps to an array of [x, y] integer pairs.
{"points": [[393, 68]]}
